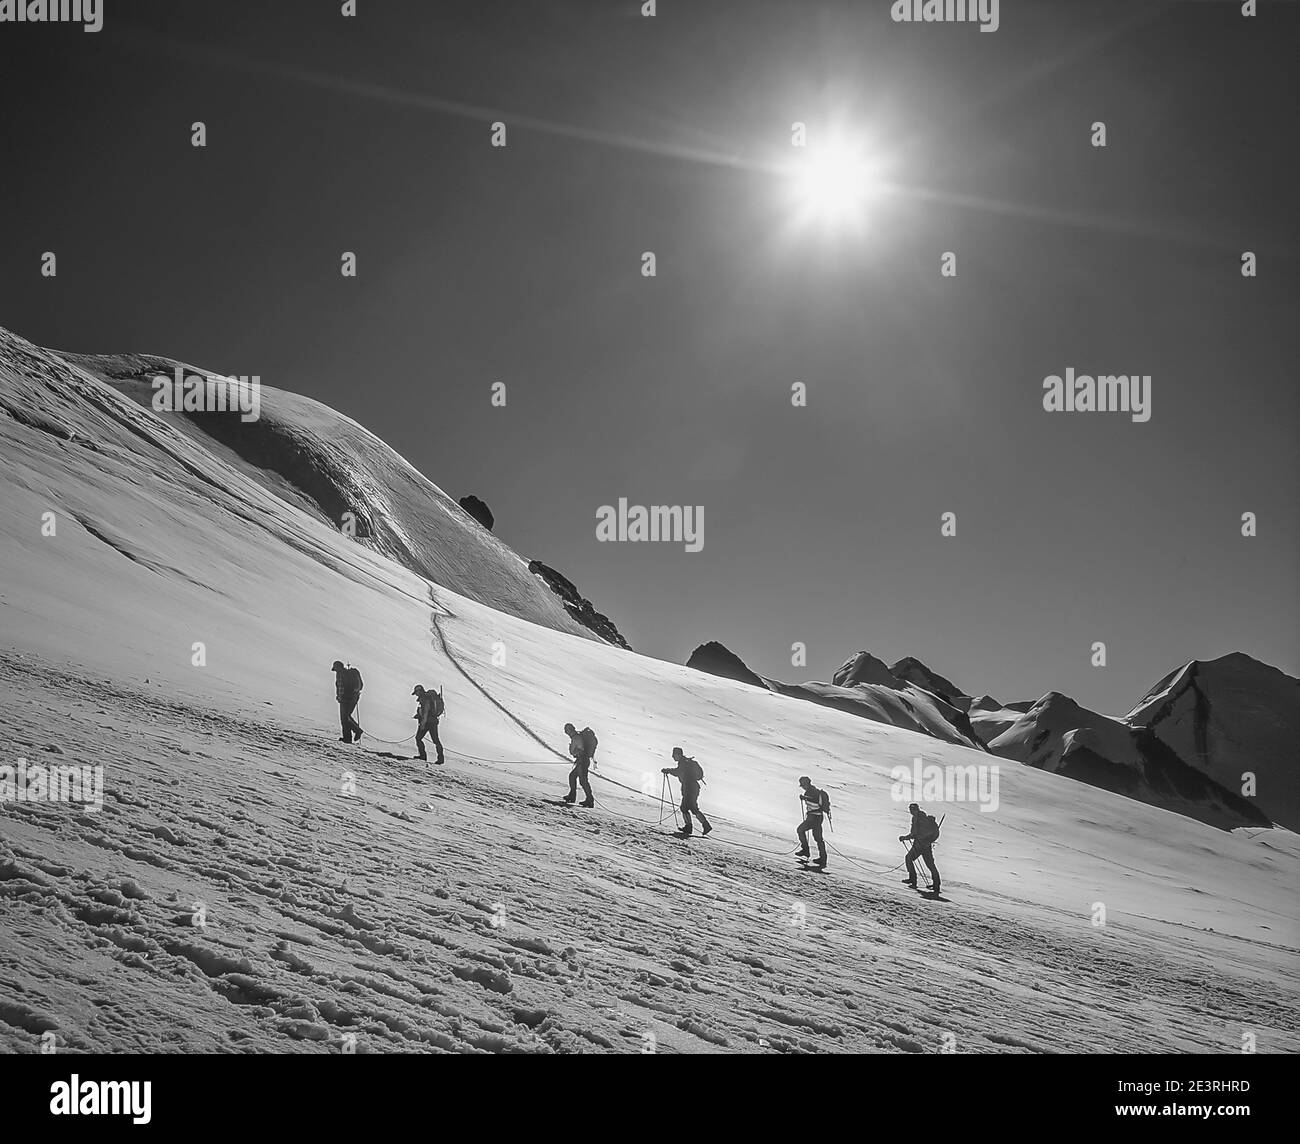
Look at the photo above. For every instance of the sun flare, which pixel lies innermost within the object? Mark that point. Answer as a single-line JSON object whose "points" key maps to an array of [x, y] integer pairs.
{"points": [[834, 185]]}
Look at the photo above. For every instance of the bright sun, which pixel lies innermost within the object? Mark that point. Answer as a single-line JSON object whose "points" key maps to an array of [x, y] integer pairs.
{"points": [[833, 186]]}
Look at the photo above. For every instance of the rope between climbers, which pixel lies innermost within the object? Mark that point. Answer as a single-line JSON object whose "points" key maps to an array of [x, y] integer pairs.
{"points": [[560, 758]]}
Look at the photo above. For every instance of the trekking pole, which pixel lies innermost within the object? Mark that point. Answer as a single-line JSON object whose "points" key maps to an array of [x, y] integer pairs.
{"points": [[924, 871], [663, 792], [906, 851]]}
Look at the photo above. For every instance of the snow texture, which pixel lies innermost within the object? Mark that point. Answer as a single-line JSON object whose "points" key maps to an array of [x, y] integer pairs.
{"points": [[354, 900]]}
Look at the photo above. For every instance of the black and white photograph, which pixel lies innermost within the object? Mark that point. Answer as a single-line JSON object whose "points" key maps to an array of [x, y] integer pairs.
{"points": [[660, 528]]}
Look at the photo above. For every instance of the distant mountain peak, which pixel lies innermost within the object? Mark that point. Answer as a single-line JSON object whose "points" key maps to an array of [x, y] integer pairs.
{"points": [[1228, 718], [1058, 734], [912, 670], [865, 668], [716, 659]]}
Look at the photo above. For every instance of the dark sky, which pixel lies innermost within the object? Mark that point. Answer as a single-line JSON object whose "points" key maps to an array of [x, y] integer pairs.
{"points": [[628, 134]]}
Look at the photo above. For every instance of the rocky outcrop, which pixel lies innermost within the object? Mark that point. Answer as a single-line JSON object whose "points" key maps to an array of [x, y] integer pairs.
{"points": [[718, 660], [577, 605], [478, 510]]}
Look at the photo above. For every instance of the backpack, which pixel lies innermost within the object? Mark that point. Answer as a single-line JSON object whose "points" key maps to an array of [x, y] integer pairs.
{"points": [[436, 705], [590, 742], [691, 771], [823, 804], [927, 830], [351, 679]]}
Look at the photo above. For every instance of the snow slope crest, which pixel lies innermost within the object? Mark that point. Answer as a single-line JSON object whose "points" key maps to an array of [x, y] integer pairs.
{"points": [[334, 469]]}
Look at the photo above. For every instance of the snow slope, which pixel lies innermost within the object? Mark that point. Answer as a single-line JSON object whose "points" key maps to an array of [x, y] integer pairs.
{"points": [[352, 893], [990, 717], [903, 706]]}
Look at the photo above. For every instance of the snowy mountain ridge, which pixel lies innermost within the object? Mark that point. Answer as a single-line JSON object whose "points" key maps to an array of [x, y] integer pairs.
{"points": [[1140, 756]]}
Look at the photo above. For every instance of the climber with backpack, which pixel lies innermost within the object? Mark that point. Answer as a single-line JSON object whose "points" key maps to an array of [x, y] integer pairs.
{"points": [[582, 747], [691, 775], [816, 805], [924, 834], [428, 713], [347, 690]]}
